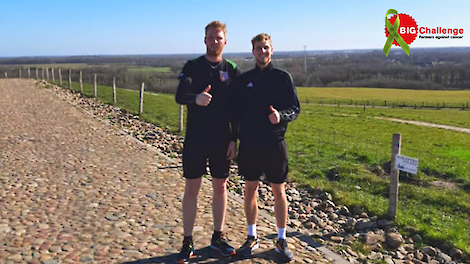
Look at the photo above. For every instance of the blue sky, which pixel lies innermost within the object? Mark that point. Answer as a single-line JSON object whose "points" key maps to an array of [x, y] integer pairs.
{"points": [[42, 28]]}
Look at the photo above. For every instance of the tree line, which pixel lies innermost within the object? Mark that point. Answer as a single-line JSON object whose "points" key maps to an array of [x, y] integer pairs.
{"points": [[435, 69]]}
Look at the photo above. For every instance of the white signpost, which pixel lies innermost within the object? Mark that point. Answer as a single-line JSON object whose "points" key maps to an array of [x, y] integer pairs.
{"points": [[406, 164]]}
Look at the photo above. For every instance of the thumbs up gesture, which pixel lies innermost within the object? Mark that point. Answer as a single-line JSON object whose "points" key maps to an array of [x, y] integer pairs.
{"points": [[204, 98], [274, 116]]}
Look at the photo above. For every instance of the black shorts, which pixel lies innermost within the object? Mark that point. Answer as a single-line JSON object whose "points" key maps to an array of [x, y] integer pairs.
{"points": [[197, 156], [272, 161]]}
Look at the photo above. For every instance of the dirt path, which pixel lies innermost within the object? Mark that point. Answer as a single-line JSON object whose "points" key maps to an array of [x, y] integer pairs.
{"points": [[419, 123]]}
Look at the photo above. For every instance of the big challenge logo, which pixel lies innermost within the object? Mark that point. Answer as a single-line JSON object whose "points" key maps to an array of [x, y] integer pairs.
{"points": [[401, 30]]}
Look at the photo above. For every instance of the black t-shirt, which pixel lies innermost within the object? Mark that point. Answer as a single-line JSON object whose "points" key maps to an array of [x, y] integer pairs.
{"points": [[206, 123]]}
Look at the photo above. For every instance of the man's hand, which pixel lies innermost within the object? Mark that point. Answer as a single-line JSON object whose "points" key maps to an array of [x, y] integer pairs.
{"points": [[232, 150], [274, 117], [204, 98]]}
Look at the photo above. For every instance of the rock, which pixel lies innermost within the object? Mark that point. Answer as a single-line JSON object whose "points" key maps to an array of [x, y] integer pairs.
{"points": [[456, 253], [430, 251], [364, 224], [371, 238], [393, 240], [417, 238]]}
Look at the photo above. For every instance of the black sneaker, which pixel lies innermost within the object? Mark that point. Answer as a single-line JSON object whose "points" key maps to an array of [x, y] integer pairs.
{"points": [[220, 244], [249, 246], [281, 248], [186, 253]]}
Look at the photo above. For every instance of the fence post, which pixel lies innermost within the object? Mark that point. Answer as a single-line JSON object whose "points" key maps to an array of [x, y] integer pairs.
{"points": [[394, 177], [53, 77], [141, 105], [96, 88], [29, 73], [70, 79], [20, 72], [37, 74], [6, 75], [181, 118], [114, 89], [81, 83], [60, 77], [47, 73], [42, 73]]}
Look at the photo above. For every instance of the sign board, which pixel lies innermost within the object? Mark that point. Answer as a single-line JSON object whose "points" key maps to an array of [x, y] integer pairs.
{"points": [[407, 164]]}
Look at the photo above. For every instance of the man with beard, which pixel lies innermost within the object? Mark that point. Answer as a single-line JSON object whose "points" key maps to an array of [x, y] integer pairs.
{"points": [[264, 100], [203, 88]]}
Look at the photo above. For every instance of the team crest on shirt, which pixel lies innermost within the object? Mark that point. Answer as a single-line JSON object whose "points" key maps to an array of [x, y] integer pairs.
{"points": [[223, 76]]}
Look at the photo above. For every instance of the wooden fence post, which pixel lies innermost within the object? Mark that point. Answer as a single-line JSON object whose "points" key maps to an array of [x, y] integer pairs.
{"points": [[29, 73], [37, 73], [70, 79], [47, 73], [394, 177], [20, 72], [6, 75], [96, 88], [42, 73], [81, 83], [141, 105], [181, 118], [114, 89], [60, 77], [53, 77]]}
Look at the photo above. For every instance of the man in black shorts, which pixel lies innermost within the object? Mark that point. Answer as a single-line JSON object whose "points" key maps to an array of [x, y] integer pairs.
{"points": [[203, 87], [264, 100]]}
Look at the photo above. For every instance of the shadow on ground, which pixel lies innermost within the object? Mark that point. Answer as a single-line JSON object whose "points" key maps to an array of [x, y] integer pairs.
{"points": [[208, 255]]}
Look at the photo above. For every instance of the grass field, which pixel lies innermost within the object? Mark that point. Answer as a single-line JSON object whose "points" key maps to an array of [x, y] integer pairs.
{"points": [[378, 96], [345, 152], [149, 69]]}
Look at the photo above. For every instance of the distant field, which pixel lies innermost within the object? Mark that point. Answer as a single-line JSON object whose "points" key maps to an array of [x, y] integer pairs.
{"points": [[62, 66], [378, 96], [149, 69]]}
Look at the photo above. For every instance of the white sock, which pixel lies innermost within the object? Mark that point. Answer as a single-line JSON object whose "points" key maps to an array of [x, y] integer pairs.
{"points": [[281, 233], [252, 230]]}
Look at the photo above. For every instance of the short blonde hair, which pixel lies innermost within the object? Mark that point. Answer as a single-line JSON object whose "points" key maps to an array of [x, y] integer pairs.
{"points": [[262, 37], [217, 25]]}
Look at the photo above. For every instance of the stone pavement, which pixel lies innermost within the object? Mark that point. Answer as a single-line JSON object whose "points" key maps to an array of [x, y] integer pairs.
{"points": [[75, 190]]}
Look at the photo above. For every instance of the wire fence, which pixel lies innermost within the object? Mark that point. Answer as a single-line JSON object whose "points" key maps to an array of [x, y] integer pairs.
{"points": [[333, 150], [330, 153]]}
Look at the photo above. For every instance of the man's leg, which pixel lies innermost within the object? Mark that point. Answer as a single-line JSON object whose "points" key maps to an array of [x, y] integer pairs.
{"points": [[280, 212], [191, 191], [280, 204], [219, 202], [251, 203], [251, 214]]}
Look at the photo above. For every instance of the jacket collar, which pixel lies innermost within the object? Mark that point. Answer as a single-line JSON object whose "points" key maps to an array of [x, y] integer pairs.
{"points": [[268, 68]]}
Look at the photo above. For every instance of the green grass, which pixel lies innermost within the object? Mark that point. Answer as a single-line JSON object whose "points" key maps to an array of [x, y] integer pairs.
{"points": [[345, 155], [149, 69], [344, 151], [160, 109], [378, 96]]}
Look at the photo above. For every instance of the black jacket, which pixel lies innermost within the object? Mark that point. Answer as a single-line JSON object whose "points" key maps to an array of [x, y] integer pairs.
{"points": [[206, 123], [253, 94]]}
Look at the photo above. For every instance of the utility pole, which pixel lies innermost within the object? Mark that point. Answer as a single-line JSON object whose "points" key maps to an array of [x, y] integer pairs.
{"points": [[305, 59]]}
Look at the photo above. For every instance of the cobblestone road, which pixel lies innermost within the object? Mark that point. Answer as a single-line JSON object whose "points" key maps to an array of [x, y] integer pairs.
{"points": [[74, 190]]}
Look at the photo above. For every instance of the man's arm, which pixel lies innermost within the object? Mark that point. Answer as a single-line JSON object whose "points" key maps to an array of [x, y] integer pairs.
{"points": [[292, 112], [184, 93]]}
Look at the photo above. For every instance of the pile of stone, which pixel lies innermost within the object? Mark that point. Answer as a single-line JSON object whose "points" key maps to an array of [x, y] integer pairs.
{"points": [[351, 232]]}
